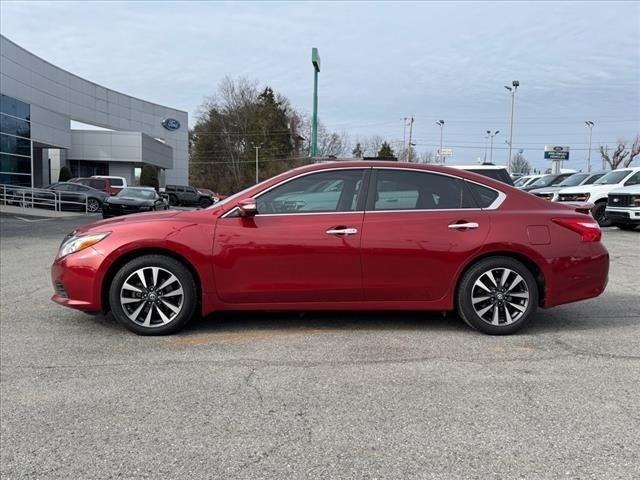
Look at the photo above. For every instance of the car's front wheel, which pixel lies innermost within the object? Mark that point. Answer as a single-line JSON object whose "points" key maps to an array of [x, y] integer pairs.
{"points": [[204, 202], [93, 205], [599, 212], [153, 295], [497, 296]]}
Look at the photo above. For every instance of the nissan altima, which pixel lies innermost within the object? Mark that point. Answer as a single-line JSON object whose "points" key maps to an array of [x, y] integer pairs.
{"points": [[340, 236]]}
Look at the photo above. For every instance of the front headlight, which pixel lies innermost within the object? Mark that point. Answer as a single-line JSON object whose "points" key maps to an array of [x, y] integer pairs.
{"points": [[635, 199], [75, 244]]}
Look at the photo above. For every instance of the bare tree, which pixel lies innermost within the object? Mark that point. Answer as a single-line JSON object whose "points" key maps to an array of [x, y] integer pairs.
{"points": [[519, 164], [371, 145], [621, 157], [426, 157]]}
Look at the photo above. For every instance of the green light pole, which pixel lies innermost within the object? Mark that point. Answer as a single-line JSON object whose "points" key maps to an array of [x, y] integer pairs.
{"points": [[315, 60]]}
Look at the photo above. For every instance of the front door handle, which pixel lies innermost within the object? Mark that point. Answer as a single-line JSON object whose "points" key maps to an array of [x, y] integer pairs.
{"points": [[342, 231], [464, 226]]}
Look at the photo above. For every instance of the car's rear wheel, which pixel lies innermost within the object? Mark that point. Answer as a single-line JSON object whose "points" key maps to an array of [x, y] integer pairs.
{"points": [[599, 212], [204, 202], [497, 296], [93, 205], [153, 295], [173, 200]]}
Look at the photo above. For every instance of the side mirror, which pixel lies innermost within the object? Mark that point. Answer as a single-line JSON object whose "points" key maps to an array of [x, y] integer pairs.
{"points": [[248, 207]]}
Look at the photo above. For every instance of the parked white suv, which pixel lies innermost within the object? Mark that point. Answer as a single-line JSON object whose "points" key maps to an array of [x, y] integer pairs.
{"points": [[623, 207], [597, 192]]}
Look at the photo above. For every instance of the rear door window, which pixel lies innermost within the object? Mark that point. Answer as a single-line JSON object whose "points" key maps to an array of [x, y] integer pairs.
{"points": [[116, 182]]}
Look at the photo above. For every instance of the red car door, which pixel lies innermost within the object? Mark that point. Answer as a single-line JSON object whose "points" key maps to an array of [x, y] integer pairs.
{"points": [[303, 245], [419, 227]]}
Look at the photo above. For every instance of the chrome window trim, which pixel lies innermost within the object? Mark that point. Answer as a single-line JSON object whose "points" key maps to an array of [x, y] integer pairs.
{"points": [[496, 203], [304, 174]]}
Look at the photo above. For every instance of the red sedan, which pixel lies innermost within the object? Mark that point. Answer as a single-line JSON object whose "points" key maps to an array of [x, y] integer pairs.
{"points": [[340, 236]]}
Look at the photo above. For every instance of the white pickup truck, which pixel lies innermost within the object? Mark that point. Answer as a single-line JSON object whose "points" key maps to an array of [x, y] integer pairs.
{"points": [[597, 192], [623, 207]]}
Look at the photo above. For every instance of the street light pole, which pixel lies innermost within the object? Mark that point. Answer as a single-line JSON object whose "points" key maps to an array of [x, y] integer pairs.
{"points": [[589, 124], [486, 143], [315, 60], [410, 135], [441, 124], [515, 84], [492, 135]]}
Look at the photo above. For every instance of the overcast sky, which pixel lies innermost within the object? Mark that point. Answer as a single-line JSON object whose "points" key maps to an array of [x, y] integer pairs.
{"points": [[575, 61]]}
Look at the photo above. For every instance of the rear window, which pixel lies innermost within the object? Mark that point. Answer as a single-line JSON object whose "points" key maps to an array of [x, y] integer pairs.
{"points": [[96, 183], [484, 196], [116, 182], [170, 188], [497, 174]]}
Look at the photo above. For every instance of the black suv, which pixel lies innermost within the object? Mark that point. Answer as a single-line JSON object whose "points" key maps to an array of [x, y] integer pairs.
{"points": [[184, 195]]}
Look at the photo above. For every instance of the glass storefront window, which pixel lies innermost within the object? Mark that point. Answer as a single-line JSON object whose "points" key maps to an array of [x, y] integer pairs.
{"points": [[14, 164], [22, 180], [14, 126], [15, 145], [14, 107]]}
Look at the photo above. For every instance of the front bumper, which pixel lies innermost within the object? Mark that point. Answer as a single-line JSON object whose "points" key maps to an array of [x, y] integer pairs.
{"points": [[625, 216], [76, 280]]}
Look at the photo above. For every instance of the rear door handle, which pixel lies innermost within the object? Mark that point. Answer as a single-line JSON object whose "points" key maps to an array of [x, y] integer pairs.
{"points": [[342, 231], [464, 226]]}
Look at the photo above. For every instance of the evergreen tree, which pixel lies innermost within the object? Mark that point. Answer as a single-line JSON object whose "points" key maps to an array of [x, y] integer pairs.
{"points": [[386, 152], [65, 174], [149, 177]]}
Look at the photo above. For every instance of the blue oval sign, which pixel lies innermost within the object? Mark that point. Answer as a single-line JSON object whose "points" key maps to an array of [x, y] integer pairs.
{"points": [[171, 124]]}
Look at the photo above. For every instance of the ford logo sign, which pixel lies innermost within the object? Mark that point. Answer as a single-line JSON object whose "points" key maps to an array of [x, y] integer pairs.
{"points": [[171, 124], [555, 149]]}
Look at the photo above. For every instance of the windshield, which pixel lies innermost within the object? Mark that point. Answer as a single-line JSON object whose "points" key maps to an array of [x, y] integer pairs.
{"points": [[543, 181], [521, 181], [573, 180], [141, 193], [612, 178]]}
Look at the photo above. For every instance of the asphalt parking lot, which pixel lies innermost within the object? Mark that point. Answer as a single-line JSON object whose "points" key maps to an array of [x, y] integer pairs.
{"points": [[314, 396]]}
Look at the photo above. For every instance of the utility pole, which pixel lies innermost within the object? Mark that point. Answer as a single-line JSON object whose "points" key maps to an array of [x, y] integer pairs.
{"points": [[515, 84], [589, 124], [404, 134], [408, 154], [315, 60], [441, 124], [257, 147]]}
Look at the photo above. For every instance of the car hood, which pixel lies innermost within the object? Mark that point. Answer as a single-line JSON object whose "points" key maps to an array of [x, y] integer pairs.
{"points": [[128, 220], [545, 189], [629, 190]]}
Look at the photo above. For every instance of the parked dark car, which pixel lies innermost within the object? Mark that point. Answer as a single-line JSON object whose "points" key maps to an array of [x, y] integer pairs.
{"points": [[133, 200], [68, 195], [185, 195], [550, 180]]}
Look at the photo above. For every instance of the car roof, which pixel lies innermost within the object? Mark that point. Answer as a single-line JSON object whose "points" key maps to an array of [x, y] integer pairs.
{"points": [[479, 167]]}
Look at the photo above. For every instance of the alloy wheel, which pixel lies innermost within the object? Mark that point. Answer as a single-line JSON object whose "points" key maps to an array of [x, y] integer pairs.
{"points": [[93, 205], [152, 297], [500, 296]]}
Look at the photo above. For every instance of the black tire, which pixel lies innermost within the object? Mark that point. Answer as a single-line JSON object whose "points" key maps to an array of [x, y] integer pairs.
{"points": [[168, 264], [204, 202], [599, 212], [467, 286], [173, 200], [624, 226]]}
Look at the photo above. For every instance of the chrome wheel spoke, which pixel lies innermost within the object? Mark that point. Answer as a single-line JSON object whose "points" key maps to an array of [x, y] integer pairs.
{"points": [[484, 310], [496, 315], [163, 317], [474, 300], [519, 294], [126, 300], [173, 293], [505, 276], [489, 274], [141, 277], [482, 285], [128, 286], [154, 275], [134, 315], [520, 308], [171, 307], [168, 282], [147, 320], [515, 282], [508, 315]]}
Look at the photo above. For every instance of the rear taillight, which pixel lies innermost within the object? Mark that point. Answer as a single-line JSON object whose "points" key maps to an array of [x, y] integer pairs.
{"points": [[587, 228]]}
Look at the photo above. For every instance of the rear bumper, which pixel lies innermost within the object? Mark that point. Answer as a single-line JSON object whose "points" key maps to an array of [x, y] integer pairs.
{"points": [[76, 280], [578, 277]]}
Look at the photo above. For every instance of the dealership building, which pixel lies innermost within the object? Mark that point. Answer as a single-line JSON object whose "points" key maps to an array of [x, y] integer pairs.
{"points": [[50, 118]]}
